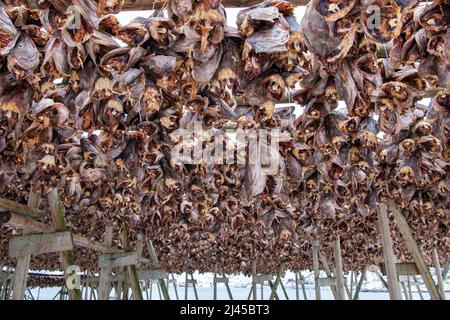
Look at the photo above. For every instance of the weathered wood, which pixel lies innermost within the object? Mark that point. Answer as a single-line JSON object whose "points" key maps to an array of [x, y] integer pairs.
{"points": [[131, 5], [23, 263], [105, 273], [414, 249], [114, 260], [388, 253], [32, 212], [66, 257], [315, 255], [21, 222], [155, 262], [359, 285], [339, 270], [438, 269], [303, 285], [327, 282], [327, 270], [276, 284], [407, 269], [284, 290], [254, 281], [40, 243], [174, 282], [418, 287], [132, 271], [445, 271]]}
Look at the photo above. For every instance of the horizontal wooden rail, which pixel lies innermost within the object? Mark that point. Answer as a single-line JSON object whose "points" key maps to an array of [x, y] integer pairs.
{"points": [[8, 205], [19, 222]]}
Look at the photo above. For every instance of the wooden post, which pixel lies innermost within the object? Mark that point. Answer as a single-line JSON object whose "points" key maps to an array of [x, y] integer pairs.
{"points": [[414, 249], [186, 287], [155, 262], [274, 287], [339, 270], [174, 283], [23, 262], [439, 277], [253, 282], [297, 292], [194, 286], [388, 253], [284, 290], [131, 270], [405, 290], [66, 257], [315, 254], [105, 273], [303, 286], [359, 285], [418, 288], [215, 283], [327, 270]]}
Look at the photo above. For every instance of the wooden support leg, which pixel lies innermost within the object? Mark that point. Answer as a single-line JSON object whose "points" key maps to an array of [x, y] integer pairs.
{"points": [[418, 288], [274, 293], [194, 286], [119, 286], [359, 285], [405, 290], [215, 283], [186, 287], [414, 249], [388, 253], [303, 286], [439, 277], [315, 254], [253, 283], [105, 273], [175, 287], [385, 284], [445, 271], [339, 270], [284, 290], [276, 284], [297, 291], [131, 270], [327, 270], [410, 289], [23, 262], [156, 264], [227, 286], [66, 257]]}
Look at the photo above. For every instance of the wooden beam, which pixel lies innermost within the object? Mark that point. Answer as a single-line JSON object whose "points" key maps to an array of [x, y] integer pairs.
{"points": [[40, 244], [327, 270], [156, 264], [23, 263], [21, 222], [131, 5], [115, 260], [8, 205], [339, 270], [414, 249], [360, 283], [388, 253], [439, 277], [315, 255], [105, 273], [132, 271], [66, 257]]}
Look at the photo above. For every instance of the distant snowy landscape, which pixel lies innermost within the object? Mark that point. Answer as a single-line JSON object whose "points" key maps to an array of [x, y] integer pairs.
{"points": [[372, 288]]}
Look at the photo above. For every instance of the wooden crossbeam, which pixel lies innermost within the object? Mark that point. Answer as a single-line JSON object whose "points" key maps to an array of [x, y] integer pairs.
{"points": [[158, 4], [23, 262], [105, 273], [8, 205], [21, 222], [115, 260], [415, 251], [156, 264], [40, 244], [66, 257]]}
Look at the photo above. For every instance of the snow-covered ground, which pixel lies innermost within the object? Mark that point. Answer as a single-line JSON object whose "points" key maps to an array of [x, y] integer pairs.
{"points": [[240, 285]]}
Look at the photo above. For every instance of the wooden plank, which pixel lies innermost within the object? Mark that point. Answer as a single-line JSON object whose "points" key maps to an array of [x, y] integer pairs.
{"points": [[327, 282], [261, 278], [115, 260], [388, 253], [222, 280], [407, 269], [439, 277], [315, 255], [40, 244], [339, 270], [66, 257], [132, 271], [32, 212], [327, 270], [23, 263], [359, 285], [131, 5], [105, 273], [414, 249], [156, 264], [21, 222]]}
